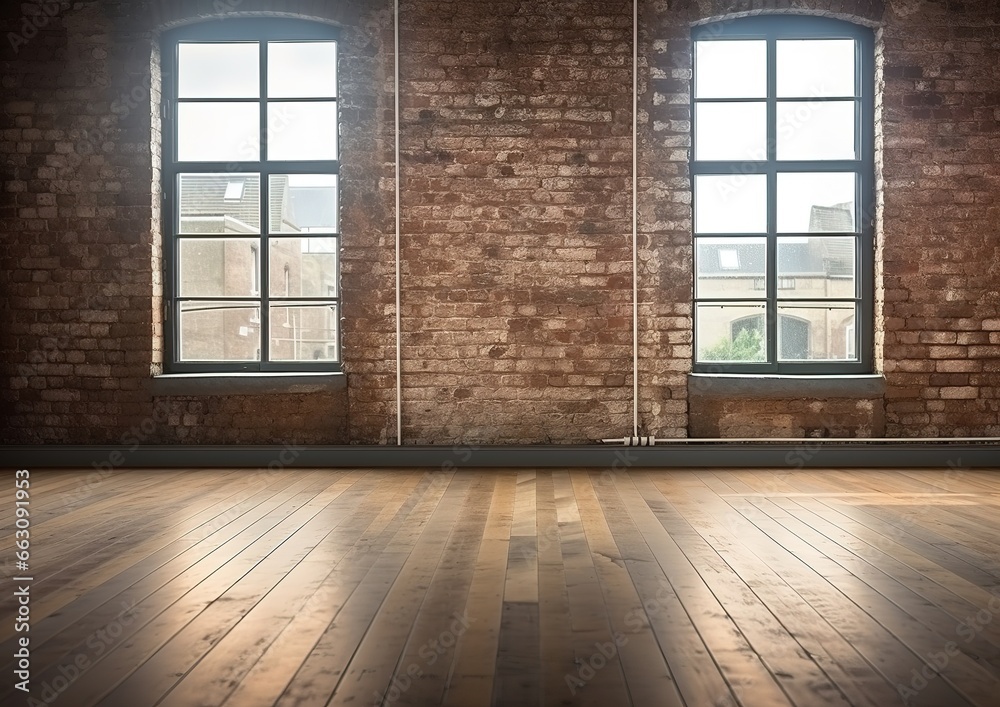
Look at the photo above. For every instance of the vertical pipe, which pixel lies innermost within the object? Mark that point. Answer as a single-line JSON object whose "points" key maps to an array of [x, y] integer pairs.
{"points": [[399, 320], [635, 218]]}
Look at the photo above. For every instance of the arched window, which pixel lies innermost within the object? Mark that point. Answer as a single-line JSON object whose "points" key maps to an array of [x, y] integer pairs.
{"points": [[745, 340], [251, 168], [783, 194]]}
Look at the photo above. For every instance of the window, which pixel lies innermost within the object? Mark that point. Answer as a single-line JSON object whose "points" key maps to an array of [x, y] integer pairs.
{"points": [[782, 173], [234, 192], [251, 168], [729, 259]]}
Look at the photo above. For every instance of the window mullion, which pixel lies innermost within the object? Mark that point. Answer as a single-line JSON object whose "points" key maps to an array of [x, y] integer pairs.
{"points": [[172, 207], [265, 226], [771, 307]]}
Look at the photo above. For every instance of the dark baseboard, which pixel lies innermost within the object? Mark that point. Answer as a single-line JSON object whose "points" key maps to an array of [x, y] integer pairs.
{"points": [[807, 454]]}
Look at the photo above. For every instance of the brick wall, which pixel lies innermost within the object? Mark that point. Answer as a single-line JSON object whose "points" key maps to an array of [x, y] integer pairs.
{"points": [[81, 236], [516, 259], [941, 221], [517, 163]]}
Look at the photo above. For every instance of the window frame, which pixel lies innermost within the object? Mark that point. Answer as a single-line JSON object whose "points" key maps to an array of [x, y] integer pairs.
{"points": [[790, 27], [261, 30]]}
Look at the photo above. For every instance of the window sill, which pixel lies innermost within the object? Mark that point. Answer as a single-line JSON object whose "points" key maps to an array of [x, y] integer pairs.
{"points": [[723, 385], [246, 384]]}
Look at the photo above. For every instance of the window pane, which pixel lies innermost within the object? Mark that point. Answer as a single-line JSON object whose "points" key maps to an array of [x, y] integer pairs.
{"points": [[731, 131], [205, 208], [229, 70], [304, 332], [730, 333], [730, 203], [303, 267], [816, 202], [302, 131], [302, 69], [817, 130], [817, 267], [730, 69], [811, 331], [815, 67], [304, 203], [731, 267], [219, 267], [218, 132], [219, 331]]}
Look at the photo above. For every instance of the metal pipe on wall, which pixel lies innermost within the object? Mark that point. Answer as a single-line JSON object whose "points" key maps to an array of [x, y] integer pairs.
{"points": [[635, 218], [651, 440], [399, 319]]}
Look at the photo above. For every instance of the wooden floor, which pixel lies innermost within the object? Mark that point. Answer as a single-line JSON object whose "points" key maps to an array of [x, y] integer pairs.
{"points": [[573, 587]]}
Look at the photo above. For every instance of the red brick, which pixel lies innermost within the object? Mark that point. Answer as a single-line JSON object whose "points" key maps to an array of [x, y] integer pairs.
{"points": [[516, 220]]}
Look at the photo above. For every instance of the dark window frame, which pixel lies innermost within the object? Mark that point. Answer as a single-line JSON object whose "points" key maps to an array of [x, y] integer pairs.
{"points": [[262, 30], [772, 28]]}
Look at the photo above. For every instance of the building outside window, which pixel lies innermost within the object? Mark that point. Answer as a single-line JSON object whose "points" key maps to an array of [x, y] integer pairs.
{"points": [[251, 168], [783, 195]]}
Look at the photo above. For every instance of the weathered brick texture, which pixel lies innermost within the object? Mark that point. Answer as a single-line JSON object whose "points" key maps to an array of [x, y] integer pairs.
{"points": [[80, 228], [785, 418], [941, 220], [516, 219], [516, 175]]}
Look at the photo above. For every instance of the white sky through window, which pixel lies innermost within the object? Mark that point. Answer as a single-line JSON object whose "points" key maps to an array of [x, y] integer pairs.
{"points": [[806, 68], [302, 69], [230, 70], [815, 67], [729, 259], [798, 193], [806, 129], [312, 180], [730, 203], [217, 131], [731, 126], [731, 69]]}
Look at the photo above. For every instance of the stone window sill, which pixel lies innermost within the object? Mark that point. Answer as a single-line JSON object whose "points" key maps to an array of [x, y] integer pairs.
{"points": [[246, 383], [776, 386]]}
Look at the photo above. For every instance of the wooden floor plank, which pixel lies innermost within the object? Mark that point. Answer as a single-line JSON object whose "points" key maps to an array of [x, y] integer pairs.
{"points": [[383, 611], [420, 675], [203, 625], [116, 569], [557, 657], [887, 552], [118, 523], [161, 615], [908, 643], [739, 543], [75, 517], [271, 675], [941, 609], [210, 682], [517, 678], [474, 667], [698, 677], [569, 587], [800, 676], [748, 676], [153, 581], [647, 677]]}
